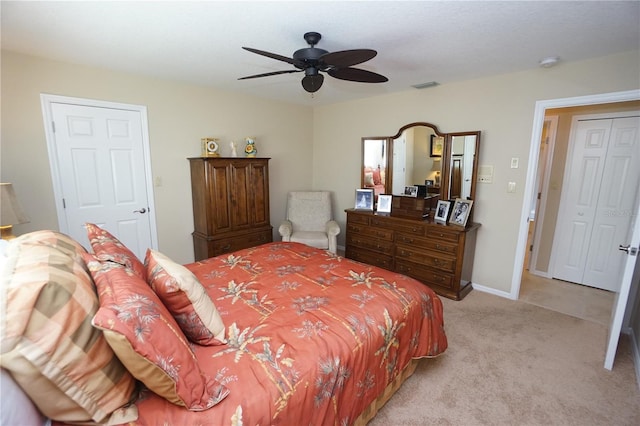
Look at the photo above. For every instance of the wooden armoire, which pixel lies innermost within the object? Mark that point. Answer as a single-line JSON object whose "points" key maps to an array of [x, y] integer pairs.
{"points": [[230, 204]]}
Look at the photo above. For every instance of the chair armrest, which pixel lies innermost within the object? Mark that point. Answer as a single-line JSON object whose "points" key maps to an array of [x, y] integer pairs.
{"points": [[333, 228], [285, 230]]}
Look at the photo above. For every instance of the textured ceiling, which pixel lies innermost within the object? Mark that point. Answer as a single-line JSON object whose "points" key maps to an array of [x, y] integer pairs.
{"points": [[417, 41]]}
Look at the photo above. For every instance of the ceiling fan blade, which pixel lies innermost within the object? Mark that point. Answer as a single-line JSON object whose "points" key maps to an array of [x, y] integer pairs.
{"points": [[312, 83], [347, 58], [274, 56], [267, 74], [356, 74]]}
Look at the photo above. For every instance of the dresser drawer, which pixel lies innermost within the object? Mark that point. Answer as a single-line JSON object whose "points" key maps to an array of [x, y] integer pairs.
{"points": [[426, 258], [369, 257], [362, 241], [379, 233], [357, 218], [416, 228], [426, 243], [426, 275], [442, 234]]}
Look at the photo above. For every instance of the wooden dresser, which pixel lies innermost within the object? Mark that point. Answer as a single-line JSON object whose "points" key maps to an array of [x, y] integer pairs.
{"points": [[441, 256], [230, 204]]}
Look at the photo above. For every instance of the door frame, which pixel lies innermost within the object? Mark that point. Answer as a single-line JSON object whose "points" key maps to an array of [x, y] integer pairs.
{"points": [[534, 151], [46, 101], [541, 204]]}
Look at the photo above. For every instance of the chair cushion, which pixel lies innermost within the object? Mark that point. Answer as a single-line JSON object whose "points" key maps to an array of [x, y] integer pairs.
{"points": [[313, 239], [186, 299], [47, 341], [309, 210]]}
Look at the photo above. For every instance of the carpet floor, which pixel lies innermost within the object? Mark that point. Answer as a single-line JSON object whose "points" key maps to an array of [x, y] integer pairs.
{"points": [[513, 363]]}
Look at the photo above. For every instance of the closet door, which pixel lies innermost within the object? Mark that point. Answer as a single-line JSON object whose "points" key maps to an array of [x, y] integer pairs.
{"points": [[601, 176]]}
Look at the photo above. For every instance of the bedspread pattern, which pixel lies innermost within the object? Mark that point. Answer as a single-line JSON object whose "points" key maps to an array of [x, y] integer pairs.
{"points": [[313, 338]]}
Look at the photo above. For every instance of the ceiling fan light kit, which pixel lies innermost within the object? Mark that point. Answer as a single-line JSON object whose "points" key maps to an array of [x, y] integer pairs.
{"points": [[313, 60]]}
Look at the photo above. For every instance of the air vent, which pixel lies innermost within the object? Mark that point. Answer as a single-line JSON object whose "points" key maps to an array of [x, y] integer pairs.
{"points": [[425, 85]]}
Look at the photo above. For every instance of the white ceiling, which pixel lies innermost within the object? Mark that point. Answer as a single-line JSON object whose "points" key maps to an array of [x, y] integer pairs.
{"points": [[417, 41]]}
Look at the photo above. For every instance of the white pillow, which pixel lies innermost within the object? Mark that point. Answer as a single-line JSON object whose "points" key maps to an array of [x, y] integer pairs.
{"points": [[17, 408]]}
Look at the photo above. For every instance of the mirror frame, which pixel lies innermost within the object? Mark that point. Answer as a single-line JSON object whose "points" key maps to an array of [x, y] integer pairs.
{"points": [[446, 155]]}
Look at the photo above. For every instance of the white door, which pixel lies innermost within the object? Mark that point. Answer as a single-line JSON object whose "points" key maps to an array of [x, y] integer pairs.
{"points": [[601, 178], [630, 245], [101, 173]]}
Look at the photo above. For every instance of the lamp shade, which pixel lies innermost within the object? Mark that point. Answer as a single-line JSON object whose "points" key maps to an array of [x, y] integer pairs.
{"points": [[436, 166], [11, 212]]}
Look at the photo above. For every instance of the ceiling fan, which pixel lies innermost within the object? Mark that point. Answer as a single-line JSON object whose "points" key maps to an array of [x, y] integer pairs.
{"points": [[312, 60]]}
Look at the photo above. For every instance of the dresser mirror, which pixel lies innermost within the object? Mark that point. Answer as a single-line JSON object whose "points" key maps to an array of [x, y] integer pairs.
{"points": [[441, 164]]}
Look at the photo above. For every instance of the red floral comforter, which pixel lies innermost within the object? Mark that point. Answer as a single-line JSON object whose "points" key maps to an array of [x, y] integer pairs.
{"points": [[313, 338]]}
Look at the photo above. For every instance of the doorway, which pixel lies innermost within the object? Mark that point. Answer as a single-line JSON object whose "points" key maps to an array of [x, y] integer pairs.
{"points": [[543, 108], [101, 169]]}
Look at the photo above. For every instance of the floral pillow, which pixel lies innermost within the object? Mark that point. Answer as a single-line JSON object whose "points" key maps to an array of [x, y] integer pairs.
{"points": [[186, 299], [146, 338], [108, 247]]}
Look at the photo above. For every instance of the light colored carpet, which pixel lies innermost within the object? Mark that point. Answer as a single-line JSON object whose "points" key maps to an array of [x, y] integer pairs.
{"points": [[513, 363]]}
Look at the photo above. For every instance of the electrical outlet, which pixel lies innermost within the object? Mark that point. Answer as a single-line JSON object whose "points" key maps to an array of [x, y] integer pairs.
{"points": [[511, 187]]}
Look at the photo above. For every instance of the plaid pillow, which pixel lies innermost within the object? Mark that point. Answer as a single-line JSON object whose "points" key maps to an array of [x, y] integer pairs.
{"points": [[47, 342]]}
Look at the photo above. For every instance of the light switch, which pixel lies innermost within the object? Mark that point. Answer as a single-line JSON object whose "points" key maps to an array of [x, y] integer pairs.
{"points": [[511, 187], [515, 162]]}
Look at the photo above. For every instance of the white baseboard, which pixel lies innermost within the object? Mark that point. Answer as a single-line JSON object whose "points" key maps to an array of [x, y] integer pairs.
{"points": [[490, 290]]}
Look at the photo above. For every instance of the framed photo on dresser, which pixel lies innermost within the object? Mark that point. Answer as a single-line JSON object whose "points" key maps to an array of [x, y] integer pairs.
{"points": [[460, 212], [364, 199], [442, 211]]}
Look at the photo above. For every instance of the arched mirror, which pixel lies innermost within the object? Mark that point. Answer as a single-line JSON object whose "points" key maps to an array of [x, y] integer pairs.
{"points": [[441, 164]]}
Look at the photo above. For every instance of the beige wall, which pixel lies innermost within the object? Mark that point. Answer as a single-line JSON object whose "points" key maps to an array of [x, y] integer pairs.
{"points": [[325, 140], [502, 107], [179, 115]]}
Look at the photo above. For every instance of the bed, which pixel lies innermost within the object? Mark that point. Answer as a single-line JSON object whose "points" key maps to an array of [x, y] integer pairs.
{"points": [[308, 338]]}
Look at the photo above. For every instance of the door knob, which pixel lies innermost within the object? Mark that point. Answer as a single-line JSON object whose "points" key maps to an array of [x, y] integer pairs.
{"points": [[628, 249], [142, 210]]}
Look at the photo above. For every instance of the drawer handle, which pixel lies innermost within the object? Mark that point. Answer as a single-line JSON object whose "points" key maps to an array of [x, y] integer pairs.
{"points": [[436, 261], [438, 278], [227, 247], [407, 240], [439, 247], [441, 235]]}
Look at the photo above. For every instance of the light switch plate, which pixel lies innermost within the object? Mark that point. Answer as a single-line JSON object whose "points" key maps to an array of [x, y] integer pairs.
{"points": [[515, 162], [511, 187]]}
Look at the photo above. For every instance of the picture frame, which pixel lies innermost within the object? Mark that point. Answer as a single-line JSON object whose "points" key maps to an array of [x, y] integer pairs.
{"points": [[460, 212], [442, 211], [436, 146], [384, 203], [429, 183], [364, 199], [411, 191]]}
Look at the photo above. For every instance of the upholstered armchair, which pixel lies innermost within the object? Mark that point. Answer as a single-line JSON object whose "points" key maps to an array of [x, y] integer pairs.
{"points": [[309, 220]]}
